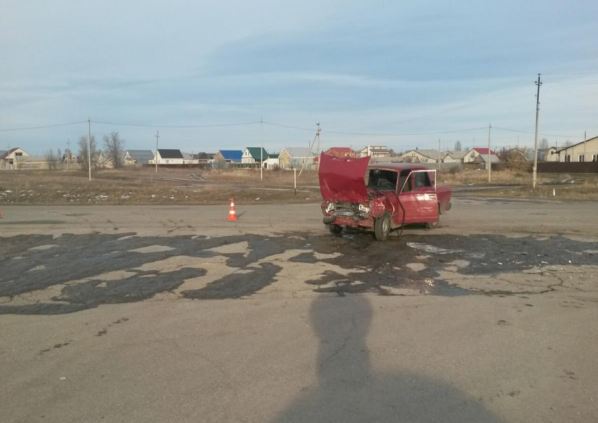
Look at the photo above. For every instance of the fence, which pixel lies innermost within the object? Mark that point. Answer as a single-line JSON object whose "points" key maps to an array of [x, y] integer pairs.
{"points": [[568, 167]]}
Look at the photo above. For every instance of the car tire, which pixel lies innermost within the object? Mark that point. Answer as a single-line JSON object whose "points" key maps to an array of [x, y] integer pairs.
{"points": [[335, 229], [382, 227]]}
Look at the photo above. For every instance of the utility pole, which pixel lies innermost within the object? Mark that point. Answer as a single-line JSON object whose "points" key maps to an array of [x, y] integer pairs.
{"points": [[89, 147], [318, 131], [535, 170], [262, 149], [439, 154], [489, 164], [156, 155]]}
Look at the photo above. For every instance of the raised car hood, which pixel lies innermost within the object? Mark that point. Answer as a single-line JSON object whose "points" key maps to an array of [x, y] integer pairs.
{"points": [[343, 179]]}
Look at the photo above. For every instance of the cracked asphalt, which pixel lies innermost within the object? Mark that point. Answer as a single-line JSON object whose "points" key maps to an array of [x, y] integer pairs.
{"points": [[171, 313]]}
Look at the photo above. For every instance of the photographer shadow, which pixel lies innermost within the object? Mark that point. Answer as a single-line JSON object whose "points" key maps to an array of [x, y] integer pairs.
{"points": [[348, 390]]}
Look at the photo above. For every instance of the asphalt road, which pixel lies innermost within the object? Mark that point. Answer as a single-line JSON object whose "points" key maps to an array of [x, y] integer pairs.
{"points": [[129, 314]]}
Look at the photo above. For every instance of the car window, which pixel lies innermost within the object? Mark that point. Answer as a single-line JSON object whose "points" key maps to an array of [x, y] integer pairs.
{"points": [[382, 180], [421, 180], [403, 177]]}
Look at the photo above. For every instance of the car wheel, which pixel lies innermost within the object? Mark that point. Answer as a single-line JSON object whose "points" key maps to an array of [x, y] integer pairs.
{"points": [[335, 229], [382, 227]]}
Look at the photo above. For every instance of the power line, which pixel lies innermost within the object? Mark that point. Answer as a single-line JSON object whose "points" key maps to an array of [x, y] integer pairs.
{"points": [[531, 132], [278, 125], [51, 125], [181, 126], [373, 134]]}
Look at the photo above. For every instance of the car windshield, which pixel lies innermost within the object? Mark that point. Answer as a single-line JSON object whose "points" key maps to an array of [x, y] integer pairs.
{"points": [[382, 180]]}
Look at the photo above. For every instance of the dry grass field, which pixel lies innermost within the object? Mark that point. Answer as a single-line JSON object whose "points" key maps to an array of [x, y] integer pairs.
{"points": [[144, 186], [516, 183], [199, 186]]}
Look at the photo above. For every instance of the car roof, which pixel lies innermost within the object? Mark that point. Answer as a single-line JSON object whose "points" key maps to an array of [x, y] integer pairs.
{"points": [[396, 167]]}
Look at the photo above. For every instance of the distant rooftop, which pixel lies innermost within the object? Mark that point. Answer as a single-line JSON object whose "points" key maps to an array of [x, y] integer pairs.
{"points": [[170, 153], [232, 155]]}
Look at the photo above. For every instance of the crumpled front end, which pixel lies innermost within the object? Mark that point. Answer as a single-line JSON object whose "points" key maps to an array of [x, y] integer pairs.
{"points": [[354, 214], [347, 214]]}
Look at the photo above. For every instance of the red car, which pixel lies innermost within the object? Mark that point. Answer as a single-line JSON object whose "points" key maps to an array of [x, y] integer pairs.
{"points": [[380, 197]]}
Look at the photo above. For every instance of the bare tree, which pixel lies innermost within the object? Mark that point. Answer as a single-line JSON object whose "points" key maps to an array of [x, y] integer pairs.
{"points": [[53, 159], [83, 152], [114, 149], [458, 146], [544, 144]]}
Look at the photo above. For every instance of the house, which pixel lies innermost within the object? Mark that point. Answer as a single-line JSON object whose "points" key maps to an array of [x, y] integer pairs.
{"points": [[168, 157], [480, 155], [584, 151], [375, 151], [453, 157], [102, 161], [422, 156], [138, 157], [225, 158], [12, 158], [341, 152], [204, 159], [190, 159], [272, 162], [296, 158], [252, 155]]}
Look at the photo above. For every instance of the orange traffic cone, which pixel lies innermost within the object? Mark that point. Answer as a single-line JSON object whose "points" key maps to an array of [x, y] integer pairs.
{"points": [[232, 213]]}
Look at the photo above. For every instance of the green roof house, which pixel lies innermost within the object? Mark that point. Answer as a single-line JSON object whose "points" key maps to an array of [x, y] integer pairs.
{"points": [[253, 155]]}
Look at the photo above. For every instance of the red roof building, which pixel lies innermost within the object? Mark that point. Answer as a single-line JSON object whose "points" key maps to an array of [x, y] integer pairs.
{"points": [[341, 152]]}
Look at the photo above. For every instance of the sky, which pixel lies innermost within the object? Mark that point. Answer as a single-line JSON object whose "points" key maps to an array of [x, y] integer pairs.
{"points": [[212, 75]]}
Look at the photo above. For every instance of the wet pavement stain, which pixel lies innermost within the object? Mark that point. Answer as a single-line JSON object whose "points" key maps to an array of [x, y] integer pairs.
{"points": [[74, 263], [236, 285]]}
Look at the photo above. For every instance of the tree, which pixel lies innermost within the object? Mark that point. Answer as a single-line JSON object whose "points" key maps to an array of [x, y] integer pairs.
{"points": [[83, 152], [114, 149], [53, 159], [458, 146], [543, 144]]}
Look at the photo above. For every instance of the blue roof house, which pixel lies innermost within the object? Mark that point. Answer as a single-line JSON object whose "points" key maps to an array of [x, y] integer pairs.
{"points": [[227, 157]]}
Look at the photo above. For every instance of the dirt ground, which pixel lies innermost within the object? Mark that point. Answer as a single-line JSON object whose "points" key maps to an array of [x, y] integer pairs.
{"points": [[198, 186], [144, 186], [171, 313]]}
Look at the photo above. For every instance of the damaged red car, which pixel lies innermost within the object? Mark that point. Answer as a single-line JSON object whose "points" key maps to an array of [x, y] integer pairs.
{"points": [[379, 197]]}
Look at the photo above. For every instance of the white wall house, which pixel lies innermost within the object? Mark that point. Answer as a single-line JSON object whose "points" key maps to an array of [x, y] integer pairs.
{"points": [[478, 155], [12, 158], [375, 151], [585, 151], [422, 156], [272, 162], [454, 157], [254, 155], [168, 157]]}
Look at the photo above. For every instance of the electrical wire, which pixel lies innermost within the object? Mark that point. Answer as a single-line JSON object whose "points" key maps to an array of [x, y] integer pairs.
{"points": [[531, 133], [278, 125], [51, 125], [181, 126]]}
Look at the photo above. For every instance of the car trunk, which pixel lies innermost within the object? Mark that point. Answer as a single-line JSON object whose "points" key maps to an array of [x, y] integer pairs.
{"points": [[343, 179]]}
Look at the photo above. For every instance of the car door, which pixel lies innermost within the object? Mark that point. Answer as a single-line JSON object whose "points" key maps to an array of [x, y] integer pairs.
{"points": [[418, 198]]}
